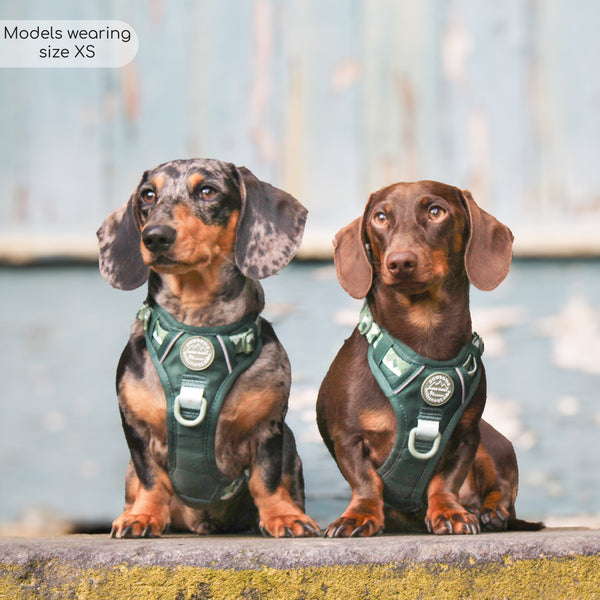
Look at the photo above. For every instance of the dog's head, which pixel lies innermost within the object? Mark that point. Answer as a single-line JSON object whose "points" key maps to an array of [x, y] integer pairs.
{"points": [[185, 214], [413, 235]]}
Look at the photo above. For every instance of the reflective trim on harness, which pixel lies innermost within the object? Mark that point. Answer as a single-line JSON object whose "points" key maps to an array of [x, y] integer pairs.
{"points": [[197, 367], [428, 397]]}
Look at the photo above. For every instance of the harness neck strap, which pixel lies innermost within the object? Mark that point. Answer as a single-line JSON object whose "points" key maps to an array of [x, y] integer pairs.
{"points": [[428, 398]]}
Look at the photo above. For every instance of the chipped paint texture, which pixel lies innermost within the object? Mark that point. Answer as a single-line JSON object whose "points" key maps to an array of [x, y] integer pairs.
{"points": [[326, 100]]}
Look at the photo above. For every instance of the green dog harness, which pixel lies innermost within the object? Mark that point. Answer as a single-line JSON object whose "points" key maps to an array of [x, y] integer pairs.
{"points": [[428, 397], [197, 367]]}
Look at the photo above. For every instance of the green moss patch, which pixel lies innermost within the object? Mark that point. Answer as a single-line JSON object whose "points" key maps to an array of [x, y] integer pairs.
{"points": [[573, 578]]}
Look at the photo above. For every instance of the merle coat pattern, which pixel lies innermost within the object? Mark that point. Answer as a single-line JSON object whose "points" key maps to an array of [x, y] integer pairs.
{"points": [[202, 232]]}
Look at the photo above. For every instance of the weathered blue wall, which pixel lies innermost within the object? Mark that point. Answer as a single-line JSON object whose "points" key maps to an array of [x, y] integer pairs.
{"points": [[328, 99]]}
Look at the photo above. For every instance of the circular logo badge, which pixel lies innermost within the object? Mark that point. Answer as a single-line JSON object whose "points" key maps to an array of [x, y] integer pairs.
{"points": [[197, 353], [437, 389]]}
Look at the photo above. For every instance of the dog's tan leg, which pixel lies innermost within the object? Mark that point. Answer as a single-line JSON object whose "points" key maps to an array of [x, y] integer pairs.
{"points": [[279, 515], [147, 512]]}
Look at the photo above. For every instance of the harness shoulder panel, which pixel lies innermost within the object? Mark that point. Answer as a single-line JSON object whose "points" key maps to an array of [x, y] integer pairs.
{"points": [[197, 368], [428, 397]]}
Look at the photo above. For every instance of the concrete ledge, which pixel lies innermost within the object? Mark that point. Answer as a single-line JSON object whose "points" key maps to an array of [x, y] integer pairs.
{"points": [[553, 563]]}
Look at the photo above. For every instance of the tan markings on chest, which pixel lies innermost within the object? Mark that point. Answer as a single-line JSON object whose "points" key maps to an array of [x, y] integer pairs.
{"points": [[245, 411], [377, 421], [425, 316], [145, 401]]}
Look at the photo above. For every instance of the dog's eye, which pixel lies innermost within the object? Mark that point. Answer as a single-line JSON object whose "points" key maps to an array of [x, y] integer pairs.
{"points": [[207, 192], [380, 218], [436, 213], [148, 196]]}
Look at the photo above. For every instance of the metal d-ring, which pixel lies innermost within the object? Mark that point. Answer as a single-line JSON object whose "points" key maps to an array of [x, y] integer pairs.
{"points": [[189, 422], [422, 455]]}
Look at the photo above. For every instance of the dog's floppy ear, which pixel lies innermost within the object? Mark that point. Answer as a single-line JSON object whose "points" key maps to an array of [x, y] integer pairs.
{"points": [[270, 227], [489, 248], [120, 257], [352, 265]]}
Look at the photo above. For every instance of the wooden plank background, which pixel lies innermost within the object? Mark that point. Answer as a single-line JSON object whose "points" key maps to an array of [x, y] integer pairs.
{"points": [[329, 99]]}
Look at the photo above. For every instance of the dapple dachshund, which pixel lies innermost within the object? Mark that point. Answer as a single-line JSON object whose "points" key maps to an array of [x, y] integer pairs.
{"points": [[412, 256], [202, 232]]}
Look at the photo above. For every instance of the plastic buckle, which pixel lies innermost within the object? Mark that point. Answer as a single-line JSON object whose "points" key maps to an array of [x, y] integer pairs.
{"points": [[190, 398], [159, 334], [478, 342], [248, 342], [144, 315], [233, 488], [368, 327], [365, 320], [244, 342], [470, 365]]}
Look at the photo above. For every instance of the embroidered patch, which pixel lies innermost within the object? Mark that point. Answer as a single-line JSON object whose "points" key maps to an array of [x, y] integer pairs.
{"points": [[437, 389], [197, 353]]}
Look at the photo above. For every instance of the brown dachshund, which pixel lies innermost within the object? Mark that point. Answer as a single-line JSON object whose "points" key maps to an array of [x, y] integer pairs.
{"points": [[412, 256], [203, 383]]}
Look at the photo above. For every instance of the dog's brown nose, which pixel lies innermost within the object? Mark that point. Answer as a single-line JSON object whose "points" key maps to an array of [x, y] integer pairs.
{"points": [[158, 238], [401, 264]]}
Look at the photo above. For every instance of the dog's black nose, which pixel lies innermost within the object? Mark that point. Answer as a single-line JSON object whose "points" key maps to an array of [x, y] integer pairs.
{"points": [[158, 238], [401, 264]]}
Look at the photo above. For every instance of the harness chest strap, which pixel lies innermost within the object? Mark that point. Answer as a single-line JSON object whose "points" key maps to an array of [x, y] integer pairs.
{"points": [[197, 367], [428, 398]]}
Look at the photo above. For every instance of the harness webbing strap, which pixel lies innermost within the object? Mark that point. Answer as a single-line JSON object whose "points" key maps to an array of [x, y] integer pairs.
{"points": [[428, 397], [197, 367]]}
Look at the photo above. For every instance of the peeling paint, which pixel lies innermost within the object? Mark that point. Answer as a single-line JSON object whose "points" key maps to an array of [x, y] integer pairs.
{"points": [[346, 74], [261, 92], [457, 46]]}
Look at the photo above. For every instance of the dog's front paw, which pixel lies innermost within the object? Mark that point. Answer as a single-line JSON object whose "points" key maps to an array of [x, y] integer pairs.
{"points": [[294, 525], [130, 525], [494, 518], [455, 522], [355, 525]]}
